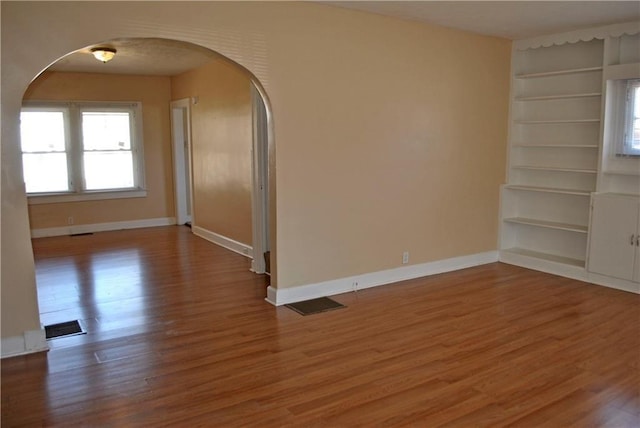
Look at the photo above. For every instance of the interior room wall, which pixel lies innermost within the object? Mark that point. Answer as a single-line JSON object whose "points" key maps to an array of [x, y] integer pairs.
{"points": [[221, 133], [155, 94], [390, 135]]}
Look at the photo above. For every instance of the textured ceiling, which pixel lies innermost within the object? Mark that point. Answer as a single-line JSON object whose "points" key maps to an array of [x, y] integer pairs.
{"points": [[507, 19], [156, 57]]}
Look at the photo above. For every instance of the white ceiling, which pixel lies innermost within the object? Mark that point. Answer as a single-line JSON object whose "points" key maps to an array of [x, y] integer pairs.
{"points": [[508, 19]]}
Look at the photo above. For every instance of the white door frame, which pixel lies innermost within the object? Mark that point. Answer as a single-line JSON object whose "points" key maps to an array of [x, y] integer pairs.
{"points": [[181, 159], [260, 173]]}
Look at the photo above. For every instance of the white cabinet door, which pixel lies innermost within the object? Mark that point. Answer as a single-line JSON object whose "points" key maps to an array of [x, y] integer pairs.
{"points": [[614, 224]]}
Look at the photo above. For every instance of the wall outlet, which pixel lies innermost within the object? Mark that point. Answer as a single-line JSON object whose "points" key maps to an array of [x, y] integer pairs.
{"points": [[355, 285], [70, 220], [405, 257]]}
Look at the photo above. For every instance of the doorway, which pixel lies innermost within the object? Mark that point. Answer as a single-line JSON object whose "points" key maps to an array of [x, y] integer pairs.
{"points": [[181, 144], [174, 149]]}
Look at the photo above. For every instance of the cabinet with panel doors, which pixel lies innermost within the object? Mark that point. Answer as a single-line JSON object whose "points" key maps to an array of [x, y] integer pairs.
{"points": [[614, 244]]}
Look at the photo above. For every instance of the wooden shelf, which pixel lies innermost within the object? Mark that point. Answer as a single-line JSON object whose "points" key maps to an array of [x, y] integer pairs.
{"points": [[548, 224], [558, 97], [555, 169], [555, 121], [558, 72], [547, 257], [557, 146], [548, 190]]}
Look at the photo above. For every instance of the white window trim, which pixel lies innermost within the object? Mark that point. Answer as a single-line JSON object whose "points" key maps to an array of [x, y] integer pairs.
{"points": [[620, 118], [627, 127], [56, 198], [71, 128], [614, 161]]}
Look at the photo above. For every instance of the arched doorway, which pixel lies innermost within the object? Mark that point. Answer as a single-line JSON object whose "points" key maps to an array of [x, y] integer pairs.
{"points": [[175, 59], [30, 48], [81, 63]]}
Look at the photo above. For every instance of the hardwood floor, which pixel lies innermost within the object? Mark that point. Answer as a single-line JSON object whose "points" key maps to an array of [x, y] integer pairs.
{"points": [[179, 334]]}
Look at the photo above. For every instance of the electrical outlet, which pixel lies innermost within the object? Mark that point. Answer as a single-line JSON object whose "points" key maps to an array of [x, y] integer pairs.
{"points": [[405, 257], [70, 220], [355, 285]]}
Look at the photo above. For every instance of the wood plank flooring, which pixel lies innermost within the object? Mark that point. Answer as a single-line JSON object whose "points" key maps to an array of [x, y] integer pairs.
{"points": [[179, 334]]}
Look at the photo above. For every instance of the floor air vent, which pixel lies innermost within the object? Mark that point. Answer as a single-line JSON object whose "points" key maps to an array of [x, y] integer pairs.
{"points": [[69, 328], [315, 306]]}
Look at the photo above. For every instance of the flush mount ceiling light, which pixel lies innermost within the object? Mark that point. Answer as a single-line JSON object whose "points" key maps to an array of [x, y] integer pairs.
{"points": [[103, 54]]}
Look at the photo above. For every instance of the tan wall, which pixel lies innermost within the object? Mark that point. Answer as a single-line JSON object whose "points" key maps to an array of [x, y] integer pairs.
{"points": [[390, 134], [154, 93], [221, 129]]}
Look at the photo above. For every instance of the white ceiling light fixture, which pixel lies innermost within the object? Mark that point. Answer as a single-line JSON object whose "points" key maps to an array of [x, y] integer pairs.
{"points": [[103, 54]]}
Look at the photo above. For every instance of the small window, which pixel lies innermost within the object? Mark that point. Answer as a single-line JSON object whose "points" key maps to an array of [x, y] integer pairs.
{"points": [[81, 148], [629, 132]]}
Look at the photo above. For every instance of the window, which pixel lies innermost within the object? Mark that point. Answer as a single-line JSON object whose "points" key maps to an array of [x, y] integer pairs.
{"points": [[81, 148], [44, 150], [628, 135]]}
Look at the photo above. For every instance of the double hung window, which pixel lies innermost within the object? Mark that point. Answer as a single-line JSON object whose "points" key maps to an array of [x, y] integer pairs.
{"points": [[81, 148], [628, 123]]}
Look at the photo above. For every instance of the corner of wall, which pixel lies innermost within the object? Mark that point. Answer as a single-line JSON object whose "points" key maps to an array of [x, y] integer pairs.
{"points": [[30, 342]]}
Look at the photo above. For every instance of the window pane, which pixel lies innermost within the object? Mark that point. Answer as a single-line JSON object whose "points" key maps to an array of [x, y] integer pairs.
{"points": [[108, 170], [45, 172], [635, 118], [106, 131], [42, 131], [635, 141]]}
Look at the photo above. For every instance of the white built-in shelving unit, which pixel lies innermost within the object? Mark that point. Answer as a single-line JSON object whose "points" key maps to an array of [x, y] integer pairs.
{"points": [[557, 158]]}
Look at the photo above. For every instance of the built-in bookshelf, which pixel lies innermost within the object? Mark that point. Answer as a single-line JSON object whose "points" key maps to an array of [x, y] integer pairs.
{"points": [[558, 155], [553, 159]]}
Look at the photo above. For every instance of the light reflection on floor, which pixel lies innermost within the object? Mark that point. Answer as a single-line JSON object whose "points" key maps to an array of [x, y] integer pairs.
{"points": [[99, 289]]}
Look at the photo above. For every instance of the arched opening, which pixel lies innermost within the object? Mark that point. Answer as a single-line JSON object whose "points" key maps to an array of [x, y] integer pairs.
{"points": [[159, 75]]}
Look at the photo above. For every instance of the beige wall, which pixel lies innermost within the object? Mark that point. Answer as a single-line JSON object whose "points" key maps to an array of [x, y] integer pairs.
{"points": [[390, 134], [155, 94], [221, 130]]}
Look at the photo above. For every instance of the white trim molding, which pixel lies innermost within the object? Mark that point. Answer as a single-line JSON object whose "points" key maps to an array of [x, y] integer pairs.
{"points": [[615, 30], [260, 175], [30, 342], [618, 284], [573, 272], [223, 241], [282, 296], [548, 266], [86, 196], [102, 227]]}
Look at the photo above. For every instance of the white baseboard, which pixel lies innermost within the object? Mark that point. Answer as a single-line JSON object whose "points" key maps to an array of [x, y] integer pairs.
{"points": [[618, 284], [567, 271], [223, 241], [282, 296], [30, 342], [102, 227], [547, 266]]}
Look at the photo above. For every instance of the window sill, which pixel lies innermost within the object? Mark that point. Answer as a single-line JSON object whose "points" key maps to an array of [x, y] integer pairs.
{"points": [[80, 197]]}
